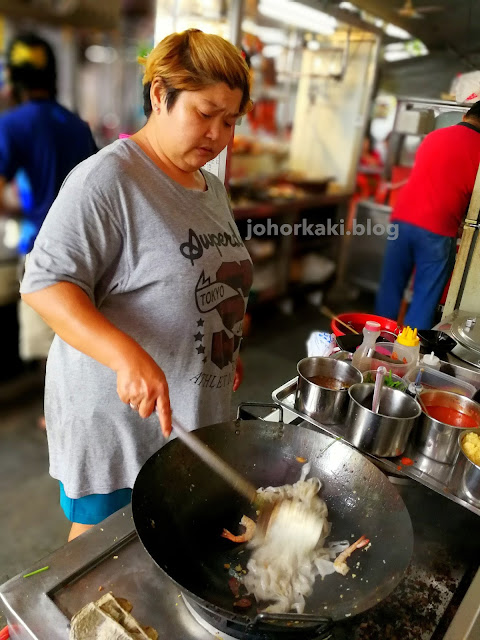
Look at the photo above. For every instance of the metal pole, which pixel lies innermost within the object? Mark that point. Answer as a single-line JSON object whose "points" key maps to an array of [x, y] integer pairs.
{"points": [[235, 19]]}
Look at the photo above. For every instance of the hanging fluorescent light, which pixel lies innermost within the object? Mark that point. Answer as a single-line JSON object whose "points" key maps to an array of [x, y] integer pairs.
{"points": [[298, 15], [348, 6], [99, 54], [272, 50], [404, 50], [396, 32], [268, 35], [313, 45]]}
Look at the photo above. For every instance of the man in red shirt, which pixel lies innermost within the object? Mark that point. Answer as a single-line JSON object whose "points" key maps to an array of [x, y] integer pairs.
{"points": [[429, 212]]}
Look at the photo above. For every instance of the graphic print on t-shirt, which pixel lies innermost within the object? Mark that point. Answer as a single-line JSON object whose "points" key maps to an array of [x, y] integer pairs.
{"points": [[226, 295], [220, 298]]}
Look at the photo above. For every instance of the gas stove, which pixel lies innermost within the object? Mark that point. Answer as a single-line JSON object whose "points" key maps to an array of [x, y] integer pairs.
{"points": [[110, 557]]}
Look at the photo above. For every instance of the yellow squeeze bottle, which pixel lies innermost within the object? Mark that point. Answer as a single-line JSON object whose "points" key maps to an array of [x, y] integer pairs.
{"points": [[407, 345]]}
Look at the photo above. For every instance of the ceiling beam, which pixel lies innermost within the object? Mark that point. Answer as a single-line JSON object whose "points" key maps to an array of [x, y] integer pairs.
{"points": [[421, 29]]}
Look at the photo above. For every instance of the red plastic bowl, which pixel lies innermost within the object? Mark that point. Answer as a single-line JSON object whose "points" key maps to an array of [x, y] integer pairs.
{"points": [[357, 321], [5, 634]]}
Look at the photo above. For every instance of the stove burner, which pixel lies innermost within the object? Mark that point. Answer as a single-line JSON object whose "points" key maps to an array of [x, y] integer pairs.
{"points": [[205, 624], [222, 628]]}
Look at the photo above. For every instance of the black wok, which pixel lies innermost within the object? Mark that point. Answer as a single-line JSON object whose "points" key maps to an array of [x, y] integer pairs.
{"points": [[180, 508]]}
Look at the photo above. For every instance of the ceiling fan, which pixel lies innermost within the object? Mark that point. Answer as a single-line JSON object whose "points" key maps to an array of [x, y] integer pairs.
{"points": [[409, 11]]}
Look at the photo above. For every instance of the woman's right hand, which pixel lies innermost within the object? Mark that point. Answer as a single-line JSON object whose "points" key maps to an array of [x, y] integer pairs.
{"points": [[142, 384]]}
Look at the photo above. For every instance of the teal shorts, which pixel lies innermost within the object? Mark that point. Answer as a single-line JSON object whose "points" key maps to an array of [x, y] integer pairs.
{"points": [[94, 508]]}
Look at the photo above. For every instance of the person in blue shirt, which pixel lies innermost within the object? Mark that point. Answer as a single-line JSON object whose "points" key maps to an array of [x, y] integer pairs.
{"points": [[41, 141], [39, 135]]}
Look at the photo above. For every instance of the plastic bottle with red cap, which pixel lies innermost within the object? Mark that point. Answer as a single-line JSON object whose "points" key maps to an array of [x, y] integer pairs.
{"points": [[362, 358]]}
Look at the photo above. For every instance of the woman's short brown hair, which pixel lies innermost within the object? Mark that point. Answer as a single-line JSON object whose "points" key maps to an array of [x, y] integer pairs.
{"points": [[193, 60]]}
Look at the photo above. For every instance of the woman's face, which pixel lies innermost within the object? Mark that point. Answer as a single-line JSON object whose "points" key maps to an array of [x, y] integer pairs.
{"points": [[198, 126]]}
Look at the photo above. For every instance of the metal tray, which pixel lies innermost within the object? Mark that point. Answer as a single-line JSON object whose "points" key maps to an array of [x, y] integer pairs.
{"points": [[443, 478]]}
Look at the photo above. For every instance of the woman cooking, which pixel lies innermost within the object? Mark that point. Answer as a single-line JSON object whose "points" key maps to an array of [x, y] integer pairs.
{"points": [[141, 273]]}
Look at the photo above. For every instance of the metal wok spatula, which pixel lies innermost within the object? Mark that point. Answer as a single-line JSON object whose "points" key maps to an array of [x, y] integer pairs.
{"points": [[217, 464], [268, 511]]}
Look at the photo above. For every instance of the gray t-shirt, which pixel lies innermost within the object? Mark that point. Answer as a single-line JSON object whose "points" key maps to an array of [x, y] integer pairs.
{"points": [[164, 264]]}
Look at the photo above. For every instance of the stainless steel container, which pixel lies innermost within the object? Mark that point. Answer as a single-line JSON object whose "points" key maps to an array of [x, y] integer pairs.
{"points": [[384, 433], [344, 356], [438, 440], [471, 473], [326, 405]]}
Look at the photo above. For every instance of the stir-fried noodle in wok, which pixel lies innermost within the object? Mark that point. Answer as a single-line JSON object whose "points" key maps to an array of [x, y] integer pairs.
{"points": [[292, 552]]}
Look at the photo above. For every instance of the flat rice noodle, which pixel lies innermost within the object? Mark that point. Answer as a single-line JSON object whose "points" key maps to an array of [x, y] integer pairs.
{"points": [[286, 561]]}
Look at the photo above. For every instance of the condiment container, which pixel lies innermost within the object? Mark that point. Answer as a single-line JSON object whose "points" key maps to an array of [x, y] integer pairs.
{"points": [[408, 343], [383, 356], [384, 433], [362, 356], [326, 405], [471, 473], [433, 379], [436, 439], [431, 360]]}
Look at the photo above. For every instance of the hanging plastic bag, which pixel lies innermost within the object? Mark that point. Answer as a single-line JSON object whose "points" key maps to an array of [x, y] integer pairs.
{"points": [[320, 343], [467, 88]]}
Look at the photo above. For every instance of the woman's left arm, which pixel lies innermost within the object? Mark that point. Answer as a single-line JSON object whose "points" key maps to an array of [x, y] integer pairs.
{"points": [[237, 380]]}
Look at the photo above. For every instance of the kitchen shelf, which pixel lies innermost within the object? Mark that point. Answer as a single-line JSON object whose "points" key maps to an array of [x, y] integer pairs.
{"points": [[442, 478], [278, 207], [289, 247]]}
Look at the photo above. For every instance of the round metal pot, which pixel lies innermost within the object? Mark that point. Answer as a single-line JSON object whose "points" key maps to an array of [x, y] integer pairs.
{"points": [[438, 440], [327, 406], [471, 473], [384, 433], [344, 356]]}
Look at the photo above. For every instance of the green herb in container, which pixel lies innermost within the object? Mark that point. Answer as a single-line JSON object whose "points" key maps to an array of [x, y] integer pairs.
{"points": [[390, 380]]}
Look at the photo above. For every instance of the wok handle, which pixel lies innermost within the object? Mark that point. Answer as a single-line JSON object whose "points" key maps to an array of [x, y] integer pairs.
{"points": [[217, 464], [271, 405]]}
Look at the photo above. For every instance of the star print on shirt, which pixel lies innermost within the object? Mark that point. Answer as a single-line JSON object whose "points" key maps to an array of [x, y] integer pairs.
{"points": [[198, 337], [200, 349], [200, 323]]}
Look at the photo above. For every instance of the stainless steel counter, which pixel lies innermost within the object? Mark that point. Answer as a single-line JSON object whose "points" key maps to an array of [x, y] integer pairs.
{"points": [[111, 557]]}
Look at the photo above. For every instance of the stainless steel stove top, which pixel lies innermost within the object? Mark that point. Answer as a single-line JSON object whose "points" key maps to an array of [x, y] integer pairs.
{"points": [[110, 557]]}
